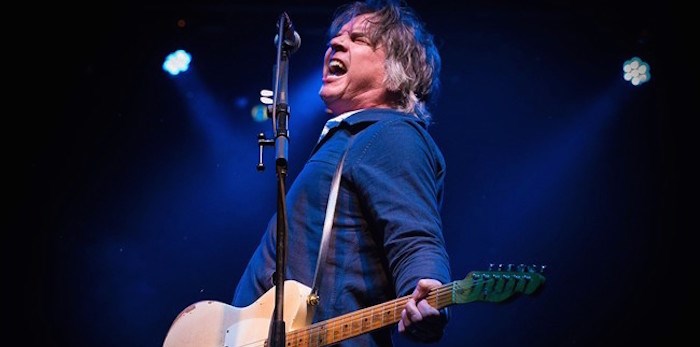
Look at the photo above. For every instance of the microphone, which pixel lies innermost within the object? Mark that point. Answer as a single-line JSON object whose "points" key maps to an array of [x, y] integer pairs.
{"points": [[291, 39]]}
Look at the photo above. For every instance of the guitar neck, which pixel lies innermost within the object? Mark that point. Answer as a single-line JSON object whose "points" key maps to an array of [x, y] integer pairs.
{"points": [[363, 321]]}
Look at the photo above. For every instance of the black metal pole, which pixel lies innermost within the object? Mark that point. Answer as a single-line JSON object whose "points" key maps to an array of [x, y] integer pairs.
{"points": [[287, 42]]}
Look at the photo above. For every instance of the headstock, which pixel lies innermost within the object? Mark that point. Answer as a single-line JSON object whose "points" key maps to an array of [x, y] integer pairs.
{"points": [[498, 283]]}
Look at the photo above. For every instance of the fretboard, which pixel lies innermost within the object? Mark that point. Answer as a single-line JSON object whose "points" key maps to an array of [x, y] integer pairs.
{"points": [[363, 321]]}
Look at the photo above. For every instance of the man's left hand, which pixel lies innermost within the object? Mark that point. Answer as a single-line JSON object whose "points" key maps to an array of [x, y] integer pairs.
{"points": [[420, 321]]}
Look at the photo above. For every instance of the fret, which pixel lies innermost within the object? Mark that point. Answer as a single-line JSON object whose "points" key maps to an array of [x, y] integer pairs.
{"points": [[318, 336], [377, 316], [365, 324], [356, 326], [298, 340], [336, 335]]}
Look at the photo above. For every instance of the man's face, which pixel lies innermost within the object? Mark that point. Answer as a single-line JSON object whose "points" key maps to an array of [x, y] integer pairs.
{"points": [[353, 69]]}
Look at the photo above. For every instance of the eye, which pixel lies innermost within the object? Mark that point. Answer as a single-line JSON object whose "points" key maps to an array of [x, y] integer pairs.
{"points": [[360, 39]]}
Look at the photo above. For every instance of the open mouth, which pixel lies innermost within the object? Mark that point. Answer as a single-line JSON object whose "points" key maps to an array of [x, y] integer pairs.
{"points": [[336, 68]]}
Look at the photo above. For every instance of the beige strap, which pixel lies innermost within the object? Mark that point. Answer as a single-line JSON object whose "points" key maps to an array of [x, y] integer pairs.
{"points": [[313, 297]]}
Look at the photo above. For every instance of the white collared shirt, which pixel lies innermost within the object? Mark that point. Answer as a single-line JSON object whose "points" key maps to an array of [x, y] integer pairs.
{"points": [[333, 122]]}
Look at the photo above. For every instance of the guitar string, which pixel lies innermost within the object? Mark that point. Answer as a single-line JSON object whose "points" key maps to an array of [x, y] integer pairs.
{"points": [[363, 315], [345, 321], [435, 296]]}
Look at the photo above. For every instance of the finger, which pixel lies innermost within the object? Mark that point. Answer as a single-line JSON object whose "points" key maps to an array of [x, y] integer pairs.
{"points": [[402, 325], [423, 287], [412, 313], [421, 290], [426, 310]]}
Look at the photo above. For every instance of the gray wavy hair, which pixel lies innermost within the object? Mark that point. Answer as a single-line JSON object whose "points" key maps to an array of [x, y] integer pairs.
{"points": [[413, 61]]}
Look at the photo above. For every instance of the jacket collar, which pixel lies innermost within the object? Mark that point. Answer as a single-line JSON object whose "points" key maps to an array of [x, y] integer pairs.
{"points": [[373, 115]]}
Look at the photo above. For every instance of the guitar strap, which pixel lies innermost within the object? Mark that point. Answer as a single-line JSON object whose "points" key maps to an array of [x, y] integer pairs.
{"points": [[313, 298]]}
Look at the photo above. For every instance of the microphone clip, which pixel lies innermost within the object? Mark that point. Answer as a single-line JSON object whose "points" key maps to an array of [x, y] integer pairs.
{"points": [[291, 40]]}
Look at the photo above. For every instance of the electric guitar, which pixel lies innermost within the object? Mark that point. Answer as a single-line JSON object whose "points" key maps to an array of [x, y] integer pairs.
{"points": [[211, 323]]}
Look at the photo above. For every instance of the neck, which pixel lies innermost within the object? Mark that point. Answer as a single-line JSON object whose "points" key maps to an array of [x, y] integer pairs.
{"points": [[341, 109]]}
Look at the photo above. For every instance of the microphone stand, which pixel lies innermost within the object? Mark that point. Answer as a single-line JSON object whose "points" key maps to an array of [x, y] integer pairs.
{"points": [[280, 117]]}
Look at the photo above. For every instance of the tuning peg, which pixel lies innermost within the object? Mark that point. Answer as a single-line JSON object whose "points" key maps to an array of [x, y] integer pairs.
{"points": [[536, 268]]}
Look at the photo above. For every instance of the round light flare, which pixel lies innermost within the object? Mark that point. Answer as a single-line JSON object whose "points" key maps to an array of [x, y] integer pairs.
{"points": [[259, 113], [636, 71], [177, 62]]}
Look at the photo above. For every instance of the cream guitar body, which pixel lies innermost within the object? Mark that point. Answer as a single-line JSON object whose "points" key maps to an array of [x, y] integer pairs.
{"points": [[211, 323]]}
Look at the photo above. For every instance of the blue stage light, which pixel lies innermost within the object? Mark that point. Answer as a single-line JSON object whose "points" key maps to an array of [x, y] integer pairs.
{"points": [[176, 62], [636, 71]]}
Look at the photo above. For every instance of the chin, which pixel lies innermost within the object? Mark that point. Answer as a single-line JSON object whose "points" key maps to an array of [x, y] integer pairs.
{"points": [[332, 106], [327, 97]]}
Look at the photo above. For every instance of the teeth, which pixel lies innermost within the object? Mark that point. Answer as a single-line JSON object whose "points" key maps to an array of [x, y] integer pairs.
{"points": [[336, 63], [335, 67]]}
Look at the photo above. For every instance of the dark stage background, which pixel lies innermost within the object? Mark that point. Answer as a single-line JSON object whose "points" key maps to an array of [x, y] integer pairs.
{"points": [[139, 194]]}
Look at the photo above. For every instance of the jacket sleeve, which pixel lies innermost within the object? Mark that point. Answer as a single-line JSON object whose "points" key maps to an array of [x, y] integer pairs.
{"points": [[399, 174]]}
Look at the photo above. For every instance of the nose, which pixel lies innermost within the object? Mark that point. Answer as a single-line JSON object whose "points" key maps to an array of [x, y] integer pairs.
{"points": [[339, 43]]}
